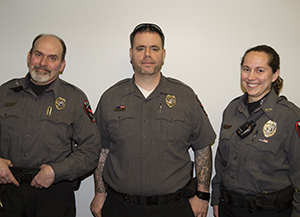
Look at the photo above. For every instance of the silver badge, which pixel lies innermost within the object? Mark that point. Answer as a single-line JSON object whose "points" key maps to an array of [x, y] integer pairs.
{"points": [[269, 128]]}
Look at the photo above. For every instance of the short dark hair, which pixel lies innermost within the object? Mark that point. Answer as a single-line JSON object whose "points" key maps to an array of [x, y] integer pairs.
{"points": [[147, 27], [274, 63], [58, 38]]}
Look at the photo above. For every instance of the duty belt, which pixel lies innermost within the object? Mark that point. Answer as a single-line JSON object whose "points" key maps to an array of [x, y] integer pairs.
{"points": [[277, 201], [23, 175], [149, 200]]}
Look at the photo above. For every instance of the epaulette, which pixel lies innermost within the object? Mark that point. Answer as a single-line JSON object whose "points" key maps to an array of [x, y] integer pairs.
{"points": [[282, 100], [237, 98], [14, 80], [63, 82], [176, 81], [119, 83], [16, 89], [13, 85]]}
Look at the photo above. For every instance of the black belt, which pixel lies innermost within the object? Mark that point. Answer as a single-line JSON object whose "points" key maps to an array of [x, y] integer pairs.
{"points": [[277, 201], [23, 175], [149, 200]]}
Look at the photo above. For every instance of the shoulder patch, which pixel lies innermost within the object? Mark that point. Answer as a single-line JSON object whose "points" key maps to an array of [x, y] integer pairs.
{"points": [[88, 110], [298, 128], [201, 105]]}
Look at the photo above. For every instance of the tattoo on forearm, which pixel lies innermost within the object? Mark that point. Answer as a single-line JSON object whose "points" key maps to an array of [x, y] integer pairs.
{"points": [[99, 183], [203, 166]]}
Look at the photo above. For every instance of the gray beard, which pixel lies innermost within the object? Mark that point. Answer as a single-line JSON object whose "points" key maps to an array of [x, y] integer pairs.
{"points": [[40, 77]]}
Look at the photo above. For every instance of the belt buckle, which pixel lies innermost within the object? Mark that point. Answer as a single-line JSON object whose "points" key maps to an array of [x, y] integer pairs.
{"points": [[26, 176], [152, 200]]}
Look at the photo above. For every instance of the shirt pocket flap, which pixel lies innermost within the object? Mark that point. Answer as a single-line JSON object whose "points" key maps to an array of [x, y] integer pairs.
{"points": [[170, 116], [119, 116], [61, 119], [268, 144], [227, 133], [11, 112]]}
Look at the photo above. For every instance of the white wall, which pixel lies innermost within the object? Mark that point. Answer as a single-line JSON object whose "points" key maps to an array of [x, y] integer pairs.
{"points": [[205, 40]]}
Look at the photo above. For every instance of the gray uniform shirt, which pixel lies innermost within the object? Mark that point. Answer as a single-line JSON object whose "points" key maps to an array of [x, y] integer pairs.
{"points": [[268, 159], [52, 128], [149, 139]]}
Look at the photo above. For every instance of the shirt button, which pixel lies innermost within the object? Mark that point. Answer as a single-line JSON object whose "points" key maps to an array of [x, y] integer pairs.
{"points": [[25, 155], [30, 117], [27, 135]]}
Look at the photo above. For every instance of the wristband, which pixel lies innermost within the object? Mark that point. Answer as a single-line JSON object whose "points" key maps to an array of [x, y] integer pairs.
{"points": [[202, 195]]}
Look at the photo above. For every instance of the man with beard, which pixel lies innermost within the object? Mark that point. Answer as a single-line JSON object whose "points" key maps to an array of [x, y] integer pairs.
{"points": [[147, 124], [48, 136]]}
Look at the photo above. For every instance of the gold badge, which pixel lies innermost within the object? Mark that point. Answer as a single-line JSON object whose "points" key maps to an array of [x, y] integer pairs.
{"points": [[60, 103], [269, 128], [170, 101]]}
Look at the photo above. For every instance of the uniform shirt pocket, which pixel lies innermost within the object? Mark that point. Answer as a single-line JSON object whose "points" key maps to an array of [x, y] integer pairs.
{"points": [[10, 126], [270, 155], [171, 125], [226, 143], [120, 125], [59, 129]]}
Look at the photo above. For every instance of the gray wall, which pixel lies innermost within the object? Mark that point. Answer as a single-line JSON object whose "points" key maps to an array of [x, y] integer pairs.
{"points": [[205, 40]]}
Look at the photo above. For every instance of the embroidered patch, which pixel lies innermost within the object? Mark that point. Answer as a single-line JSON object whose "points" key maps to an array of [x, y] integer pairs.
{"points": [[298, 128], [88, 110]]}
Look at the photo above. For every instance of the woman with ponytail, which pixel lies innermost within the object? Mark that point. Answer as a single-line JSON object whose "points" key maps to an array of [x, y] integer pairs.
{"points": [[258, 158]]}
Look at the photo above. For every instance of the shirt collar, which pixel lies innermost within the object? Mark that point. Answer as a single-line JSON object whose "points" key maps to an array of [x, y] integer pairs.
{"points": [[162, 87], [268, 105], [25, 84]]}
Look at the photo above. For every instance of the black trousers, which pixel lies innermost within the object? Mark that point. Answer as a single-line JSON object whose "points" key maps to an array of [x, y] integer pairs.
{"points": [[25, 201], [226, 210], [116, 206]]}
